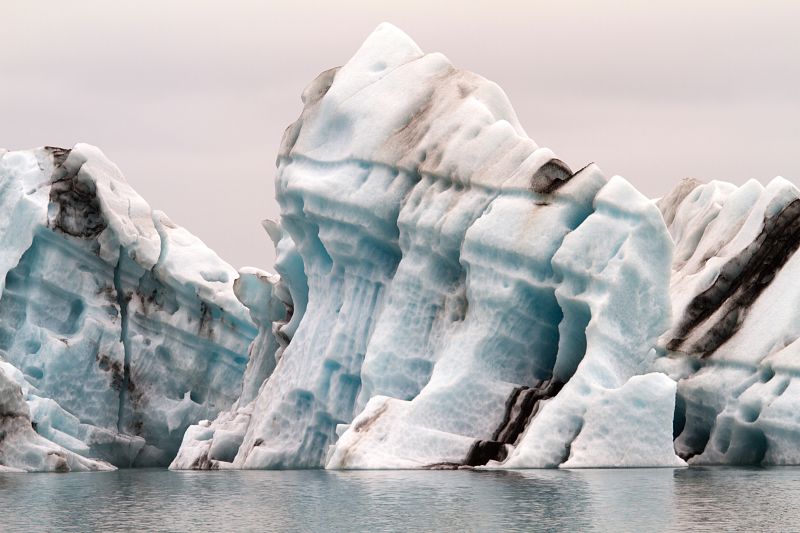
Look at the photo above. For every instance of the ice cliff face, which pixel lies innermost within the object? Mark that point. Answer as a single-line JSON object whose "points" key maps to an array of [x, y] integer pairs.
{"points": [[117, 327], [454, 294]]}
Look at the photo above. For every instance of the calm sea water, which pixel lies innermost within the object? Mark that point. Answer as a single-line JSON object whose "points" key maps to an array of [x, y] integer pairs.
{"points": [[698, 499]]}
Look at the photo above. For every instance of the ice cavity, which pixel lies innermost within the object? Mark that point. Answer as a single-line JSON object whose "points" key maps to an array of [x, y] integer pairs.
{"points": [[464, 297], [124, 326]]}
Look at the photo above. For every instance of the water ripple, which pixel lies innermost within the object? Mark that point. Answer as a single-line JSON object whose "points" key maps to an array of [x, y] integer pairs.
{"points": [[697, 499]]}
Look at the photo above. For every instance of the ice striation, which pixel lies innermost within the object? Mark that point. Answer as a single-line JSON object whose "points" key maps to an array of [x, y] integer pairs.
{"points": [[123, 328], [733, 345]]}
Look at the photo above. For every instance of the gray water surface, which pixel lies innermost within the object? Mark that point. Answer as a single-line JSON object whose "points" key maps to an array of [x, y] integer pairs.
{"points": [[697, 499]]}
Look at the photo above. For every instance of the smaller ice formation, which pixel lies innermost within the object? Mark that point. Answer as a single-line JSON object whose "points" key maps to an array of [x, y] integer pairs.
{"points": [[630, 426], [117, 327], [213, 445], [733, 346]]}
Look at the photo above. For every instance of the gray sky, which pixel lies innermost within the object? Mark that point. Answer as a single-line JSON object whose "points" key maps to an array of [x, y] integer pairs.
{"points": [[190, 98]]}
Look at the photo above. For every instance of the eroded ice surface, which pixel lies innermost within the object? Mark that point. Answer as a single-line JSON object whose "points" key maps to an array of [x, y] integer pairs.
{"points": [[22, 449], [123, 326]]}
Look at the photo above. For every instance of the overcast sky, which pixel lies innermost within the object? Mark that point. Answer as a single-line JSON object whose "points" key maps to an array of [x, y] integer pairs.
{"points": [[190, 98]]}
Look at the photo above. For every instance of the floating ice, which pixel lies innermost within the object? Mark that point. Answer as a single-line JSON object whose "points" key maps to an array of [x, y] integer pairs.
{"points": [[467, 299]]}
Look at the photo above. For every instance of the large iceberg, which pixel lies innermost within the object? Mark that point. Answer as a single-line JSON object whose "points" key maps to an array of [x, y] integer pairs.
{"points": [[454, 294], [117, 327]]}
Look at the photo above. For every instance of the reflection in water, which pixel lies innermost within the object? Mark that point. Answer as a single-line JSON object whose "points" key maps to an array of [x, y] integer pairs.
{"points": [[644, 497], [712, 499]]}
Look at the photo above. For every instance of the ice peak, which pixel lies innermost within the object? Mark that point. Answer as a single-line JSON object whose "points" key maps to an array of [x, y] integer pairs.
{"points": [[387, 44]]}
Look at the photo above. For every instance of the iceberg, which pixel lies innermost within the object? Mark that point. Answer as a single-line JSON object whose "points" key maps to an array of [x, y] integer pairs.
{"points": [[123, 327], [461, 297], [447, 294]]}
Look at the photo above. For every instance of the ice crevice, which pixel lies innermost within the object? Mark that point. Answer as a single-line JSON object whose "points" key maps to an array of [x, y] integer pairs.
{"points": [[122, 302]]}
